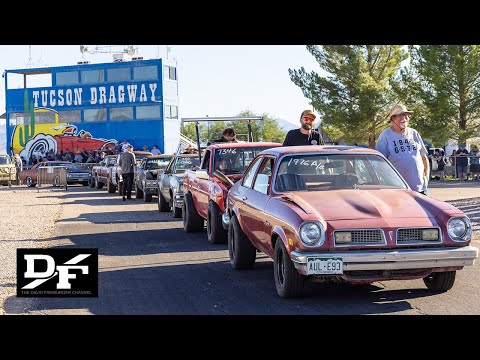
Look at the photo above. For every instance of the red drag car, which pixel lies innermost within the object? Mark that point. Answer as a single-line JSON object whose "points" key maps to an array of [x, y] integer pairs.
{"points": [[342, 213]]}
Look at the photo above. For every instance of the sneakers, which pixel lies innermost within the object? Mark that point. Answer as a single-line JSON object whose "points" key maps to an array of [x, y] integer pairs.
{"points": [[123, 198]]}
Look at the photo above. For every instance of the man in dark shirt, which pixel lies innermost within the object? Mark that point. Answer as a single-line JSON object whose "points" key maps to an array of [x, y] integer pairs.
{"points": [[127, 162], [305, 135]]}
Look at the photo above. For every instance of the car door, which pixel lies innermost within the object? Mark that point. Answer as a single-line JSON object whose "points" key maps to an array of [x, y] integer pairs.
{"points": [[256, 202], [165, 178], [245, 196], [202, 195]]}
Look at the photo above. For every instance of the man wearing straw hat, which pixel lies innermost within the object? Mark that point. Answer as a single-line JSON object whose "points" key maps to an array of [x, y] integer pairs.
{"points": [[404, 147]]}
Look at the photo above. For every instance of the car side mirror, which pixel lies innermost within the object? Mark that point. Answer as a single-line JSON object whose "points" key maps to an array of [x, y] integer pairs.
{"points": [[202, 174]]}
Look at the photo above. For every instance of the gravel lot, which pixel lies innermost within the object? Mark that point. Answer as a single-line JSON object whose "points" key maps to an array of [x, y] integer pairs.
{"points": [[29, 217]]}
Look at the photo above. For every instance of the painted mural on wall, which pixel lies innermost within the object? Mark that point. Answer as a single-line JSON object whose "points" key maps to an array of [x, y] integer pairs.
{"points": [[58, 136]]}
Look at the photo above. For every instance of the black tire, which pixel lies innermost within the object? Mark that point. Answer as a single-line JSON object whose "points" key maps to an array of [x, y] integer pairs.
{"points": [[120, 188], [29, 182], [177, 212], [91, 182], [216, 234], [288, 281], [111, 188], [147, 197], [56, 181], [162, 203], [440, 281], [240, 250], [192, 221], [138, 193], [98, 184]]}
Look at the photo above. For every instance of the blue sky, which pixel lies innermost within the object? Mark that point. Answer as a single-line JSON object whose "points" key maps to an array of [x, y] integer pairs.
{"points": [[214, 80]]}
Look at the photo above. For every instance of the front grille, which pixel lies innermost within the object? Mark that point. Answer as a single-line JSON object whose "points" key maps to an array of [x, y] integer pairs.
{"points": [[363, 237], [414, 235]]}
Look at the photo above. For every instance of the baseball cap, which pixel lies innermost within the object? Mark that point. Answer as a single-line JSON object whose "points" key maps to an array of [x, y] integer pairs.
{"points": [[308, 113]]}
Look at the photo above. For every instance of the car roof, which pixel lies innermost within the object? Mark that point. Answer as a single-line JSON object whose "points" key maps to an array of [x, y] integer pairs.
{"points": [[162, 156], [230, 145], [285, 150]]}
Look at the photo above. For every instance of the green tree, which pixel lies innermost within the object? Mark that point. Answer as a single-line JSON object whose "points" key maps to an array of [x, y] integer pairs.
{"points": [[442, 84], [212, 130], [354, 95]]}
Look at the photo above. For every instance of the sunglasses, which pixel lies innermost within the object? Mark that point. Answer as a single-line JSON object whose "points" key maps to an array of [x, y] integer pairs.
{"points": [[306, 118]]}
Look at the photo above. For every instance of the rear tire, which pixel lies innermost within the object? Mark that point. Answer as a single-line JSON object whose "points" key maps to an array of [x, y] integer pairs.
{"points": [[138, 193], [440, 281], [29, 182], [240, 250], [192, 221], [162, 203], [91, 182], [288, 281], [216, 234], [147, 197], [98, 184], [111, 188]]}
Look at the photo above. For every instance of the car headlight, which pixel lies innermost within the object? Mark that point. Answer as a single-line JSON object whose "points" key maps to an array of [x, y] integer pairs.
{"points": [[312, 233], [459, 229]]}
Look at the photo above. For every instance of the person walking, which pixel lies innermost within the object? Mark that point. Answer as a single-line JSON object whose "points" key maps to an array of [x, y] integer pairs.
{"points": [[127, 164], [404, 148], [305, 135]]}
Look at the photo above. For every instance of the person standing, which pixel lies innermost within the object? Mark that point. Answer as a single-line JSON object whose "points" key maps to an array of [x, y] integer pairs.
{"points": [[462, 162], [474, 163], [127, 164], [305, 135], [404, 148]]}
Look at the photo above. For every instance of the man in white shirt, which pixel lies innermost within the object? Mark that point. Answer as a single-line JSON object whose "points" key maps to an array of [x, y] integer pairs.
{"points": [[155, 150]]}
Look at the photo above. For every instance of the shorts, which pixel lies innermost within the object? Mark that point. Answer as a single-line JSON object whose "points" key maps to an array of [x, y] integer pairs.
{"points": [[461, 169], [475, 168]]}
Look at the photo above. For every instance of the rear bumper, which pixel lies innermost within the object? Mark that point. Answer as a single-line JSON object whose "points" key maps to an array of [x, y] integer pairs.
{"points": [[400, 259]]}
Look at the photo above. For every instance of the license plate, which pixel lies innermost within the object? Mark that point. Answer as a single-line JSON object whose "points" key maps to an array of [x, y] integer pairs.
{"points": [[324, 266]]}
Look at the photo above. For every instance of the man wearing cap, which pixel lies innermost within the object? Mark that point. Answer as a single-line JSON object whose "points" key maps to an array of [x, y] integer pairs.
{"points": [[305, 135], [405, 149]]}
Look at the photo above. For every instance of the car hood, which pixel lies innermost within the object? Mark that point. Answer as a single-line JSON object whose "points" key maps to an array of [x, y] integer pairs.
{"points": [[367, 204]]}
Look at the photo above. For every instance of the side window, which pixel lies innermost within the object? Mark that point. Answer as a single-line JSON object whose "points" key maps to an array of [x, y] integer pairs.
{"points": [[206, 161], [262, 180], [249, 176]]}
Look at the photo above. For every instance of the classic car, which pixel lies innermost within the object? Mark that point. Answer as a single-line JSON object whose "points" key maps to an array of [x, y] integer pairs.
{"points": [[8, 170], [116, 172], [75, 175], [101, 173], [170, 183], [147, 174], [345, 214], [206, 188]]}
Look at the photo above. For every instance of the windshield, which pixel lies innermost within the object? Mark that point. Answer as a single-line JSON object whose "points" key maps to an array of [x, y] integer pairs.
{"points": [[185, 163], [154, 164], [5, 160], [235, 160], [302, 172]]}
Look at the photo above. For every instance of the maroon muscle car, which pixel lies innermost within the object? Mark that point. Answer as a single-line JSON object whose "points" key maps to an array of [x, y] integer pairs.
{"points": [[342, 213]]}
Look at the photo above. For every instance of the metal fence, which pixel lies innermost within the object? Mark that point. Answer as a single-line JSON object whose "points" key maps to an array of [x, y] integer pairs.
{"points": [[52, 176]]}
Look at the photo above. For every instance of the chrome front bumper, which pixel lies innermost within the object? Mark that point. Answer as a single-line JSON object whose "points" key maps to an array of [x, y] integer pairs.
{"points": [[394, 259], [178, 200]]}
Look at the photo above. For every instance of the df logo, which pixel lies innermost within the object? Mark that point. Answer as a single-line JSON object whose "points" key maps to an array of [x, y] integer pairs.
{"points": [[57, 272]]}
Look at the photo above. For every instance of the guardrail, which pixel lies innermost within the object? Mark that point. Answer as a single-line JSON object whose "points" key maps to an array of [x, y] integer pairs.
{"points": [[52, 176]]}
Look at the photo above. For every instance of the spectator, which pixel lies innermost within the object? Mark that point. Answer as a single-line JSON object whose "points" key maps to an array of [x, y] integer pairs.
{"points": [[474, 163], [439, 156], [127, 163], [125, 146], [404, 147], [78, 158], [305, 135], [155, 150], [228, 135], [461, 156]]}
